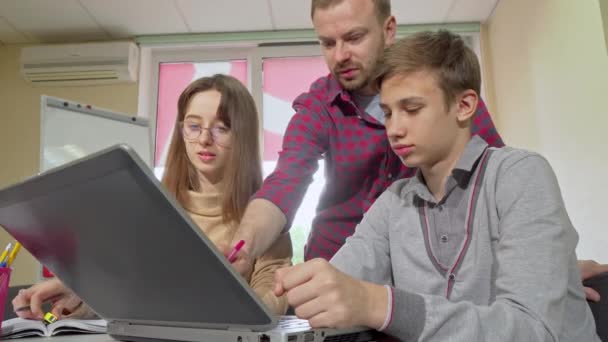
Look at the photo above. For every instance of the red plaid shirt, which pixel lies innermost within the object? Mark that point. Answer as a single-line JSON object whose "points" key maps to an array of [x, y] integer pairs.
{"points": [[359, 163]]}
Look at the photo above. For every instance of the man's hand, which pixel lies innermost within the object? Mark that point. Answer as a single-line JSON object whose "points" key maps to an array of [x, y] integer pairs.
{"points": [[589, 269], [327, 297], [28, 302], [260, 227], [243, 263]]}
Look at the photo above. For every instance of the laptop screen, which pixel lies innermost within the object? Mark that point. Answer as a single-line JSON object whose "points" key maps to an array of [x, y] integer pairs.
{"points": [[108, 230]]}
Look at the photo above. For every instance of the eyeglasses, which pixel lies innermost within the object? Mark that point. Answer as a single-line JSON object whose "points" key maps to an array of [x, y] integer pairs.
{"points": [[219, 134]]}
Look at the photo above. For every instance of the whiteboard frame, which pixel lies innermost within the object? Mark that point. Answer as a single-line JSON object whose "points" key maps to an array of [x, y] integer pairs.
{"points": [[47, 101], [55, 102]]}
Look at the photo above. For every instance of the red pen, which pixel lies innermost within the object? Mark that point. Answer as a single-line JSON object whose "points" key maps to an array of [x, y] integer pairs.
{"points": [[235, 250]]}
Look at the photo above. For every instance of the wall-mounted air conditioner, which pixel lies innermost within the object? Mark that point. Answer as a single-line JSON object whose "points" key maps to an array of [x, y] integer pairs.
{"points": [[80, 64]]}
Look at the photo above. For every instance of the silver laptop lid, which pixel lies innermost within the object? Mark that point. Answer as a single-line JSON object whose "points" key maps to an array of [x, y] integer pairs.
{"points": [[105, 226]]}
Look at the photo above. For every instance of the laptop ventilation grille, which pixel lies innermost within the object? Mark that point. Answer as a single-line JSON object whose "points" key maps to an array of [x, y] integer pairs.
{"points": [[354, 337]]}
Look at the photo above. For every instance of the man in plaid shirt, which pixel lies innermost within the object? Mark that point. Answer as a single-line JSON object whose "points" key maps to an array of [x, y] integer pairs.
{"points": [[339, 119]]}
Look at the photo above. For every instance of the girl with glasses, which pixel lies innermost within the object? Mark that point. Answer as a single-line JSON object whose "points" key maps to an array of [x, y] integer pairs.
{"points": [[213, 167]]}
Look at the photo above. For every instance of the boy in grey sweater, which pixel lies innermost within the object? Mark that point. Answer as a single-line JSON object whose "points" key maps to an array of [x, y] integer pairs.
{"points": [[476, 247]]}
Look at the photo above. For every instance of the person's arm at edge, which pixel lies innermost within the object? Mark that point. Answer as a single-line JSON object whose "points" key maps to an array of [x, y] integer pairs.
{"points": [[590, 269]]}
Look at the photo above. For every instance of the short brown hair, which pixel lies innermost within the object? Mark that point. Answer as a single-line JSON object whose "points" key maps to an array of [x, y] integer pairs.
{"points": [[243, 174], [444, 53], [383, 7]]}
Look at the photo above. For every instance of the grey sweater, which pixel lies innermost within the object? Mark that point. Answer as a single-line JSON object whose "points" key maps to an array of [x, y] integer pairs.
{"points": [[514, 277]]}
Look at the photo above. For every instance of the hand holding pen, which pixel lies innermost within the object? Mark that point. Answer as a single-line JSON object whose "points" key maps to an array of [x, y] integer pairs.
{"points": [[239, 256], [233, 254], [28, 302]]}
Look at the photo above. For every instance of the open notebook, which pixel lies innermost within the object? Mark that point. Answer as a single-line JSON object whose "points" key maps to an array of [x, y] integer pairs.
{"points": [[18, 327]]}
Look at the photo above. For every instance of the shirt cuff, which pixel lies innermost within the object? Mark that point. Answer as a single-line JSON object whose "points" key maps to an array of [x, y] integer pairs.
{"points": [[389, 309], [408, 315]]}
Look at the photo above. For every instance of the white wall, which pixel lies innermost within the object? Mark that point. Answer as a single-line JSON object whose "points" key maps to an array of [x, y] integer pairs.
{"points": [[548, 66]]}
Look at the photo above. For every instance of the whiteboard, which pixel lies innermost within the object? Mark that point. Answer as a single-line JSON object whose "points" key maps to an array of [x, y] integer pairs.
{"points": [[70, 130]]}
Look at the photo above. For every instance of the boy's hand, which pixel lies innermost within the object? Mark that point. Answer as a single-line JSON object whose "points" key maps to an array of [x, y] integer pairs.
{"points": [[327, 297]]}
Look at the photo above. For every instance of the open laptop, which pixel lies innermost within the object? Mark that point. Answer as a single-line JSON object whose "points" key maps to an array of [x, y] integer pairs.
{"points": [[106, 227]]}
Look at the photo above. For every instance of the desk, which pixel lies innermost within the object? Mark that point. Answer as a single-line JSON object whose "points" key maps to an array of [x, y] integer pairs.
{"points": [[70, 338], [80, 338], [87, 338]]}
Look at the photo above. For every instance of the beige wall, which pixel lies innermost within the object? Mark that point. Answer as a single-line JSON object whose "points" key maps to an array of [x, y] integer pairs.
{"points": [[604, 7], [548, 66], [20, 129]]}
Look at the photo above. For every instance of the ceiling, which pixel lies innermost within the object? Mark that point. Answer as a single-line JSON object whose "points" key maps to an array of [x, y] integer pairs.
{"points": [[54, 21]]}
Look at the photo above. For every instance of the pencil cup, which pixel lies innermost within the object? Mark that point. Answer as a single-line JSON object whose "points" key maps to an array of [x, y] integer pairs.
{"points": [[5, 277]]}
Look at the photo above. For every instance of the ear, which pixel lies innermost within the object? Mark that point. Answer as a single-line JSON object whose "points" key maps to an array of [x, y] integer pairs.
{"points": [[466, 105], [390, 30]]}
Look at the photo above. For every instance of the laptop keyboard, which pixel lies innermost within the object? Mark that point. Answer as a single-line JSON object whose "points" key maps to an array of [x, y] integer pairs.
{"points": [[291, 322]]}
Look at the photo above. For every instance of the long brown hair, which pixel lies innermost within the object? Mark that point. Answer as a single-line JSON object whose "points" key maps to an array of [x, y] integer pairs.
{"points": [[243, 175]]}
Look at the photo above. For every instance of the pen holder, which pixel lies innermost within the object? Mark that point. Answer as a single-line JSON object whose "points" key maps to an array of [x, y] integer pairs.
{"points": [[5, 277]]}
